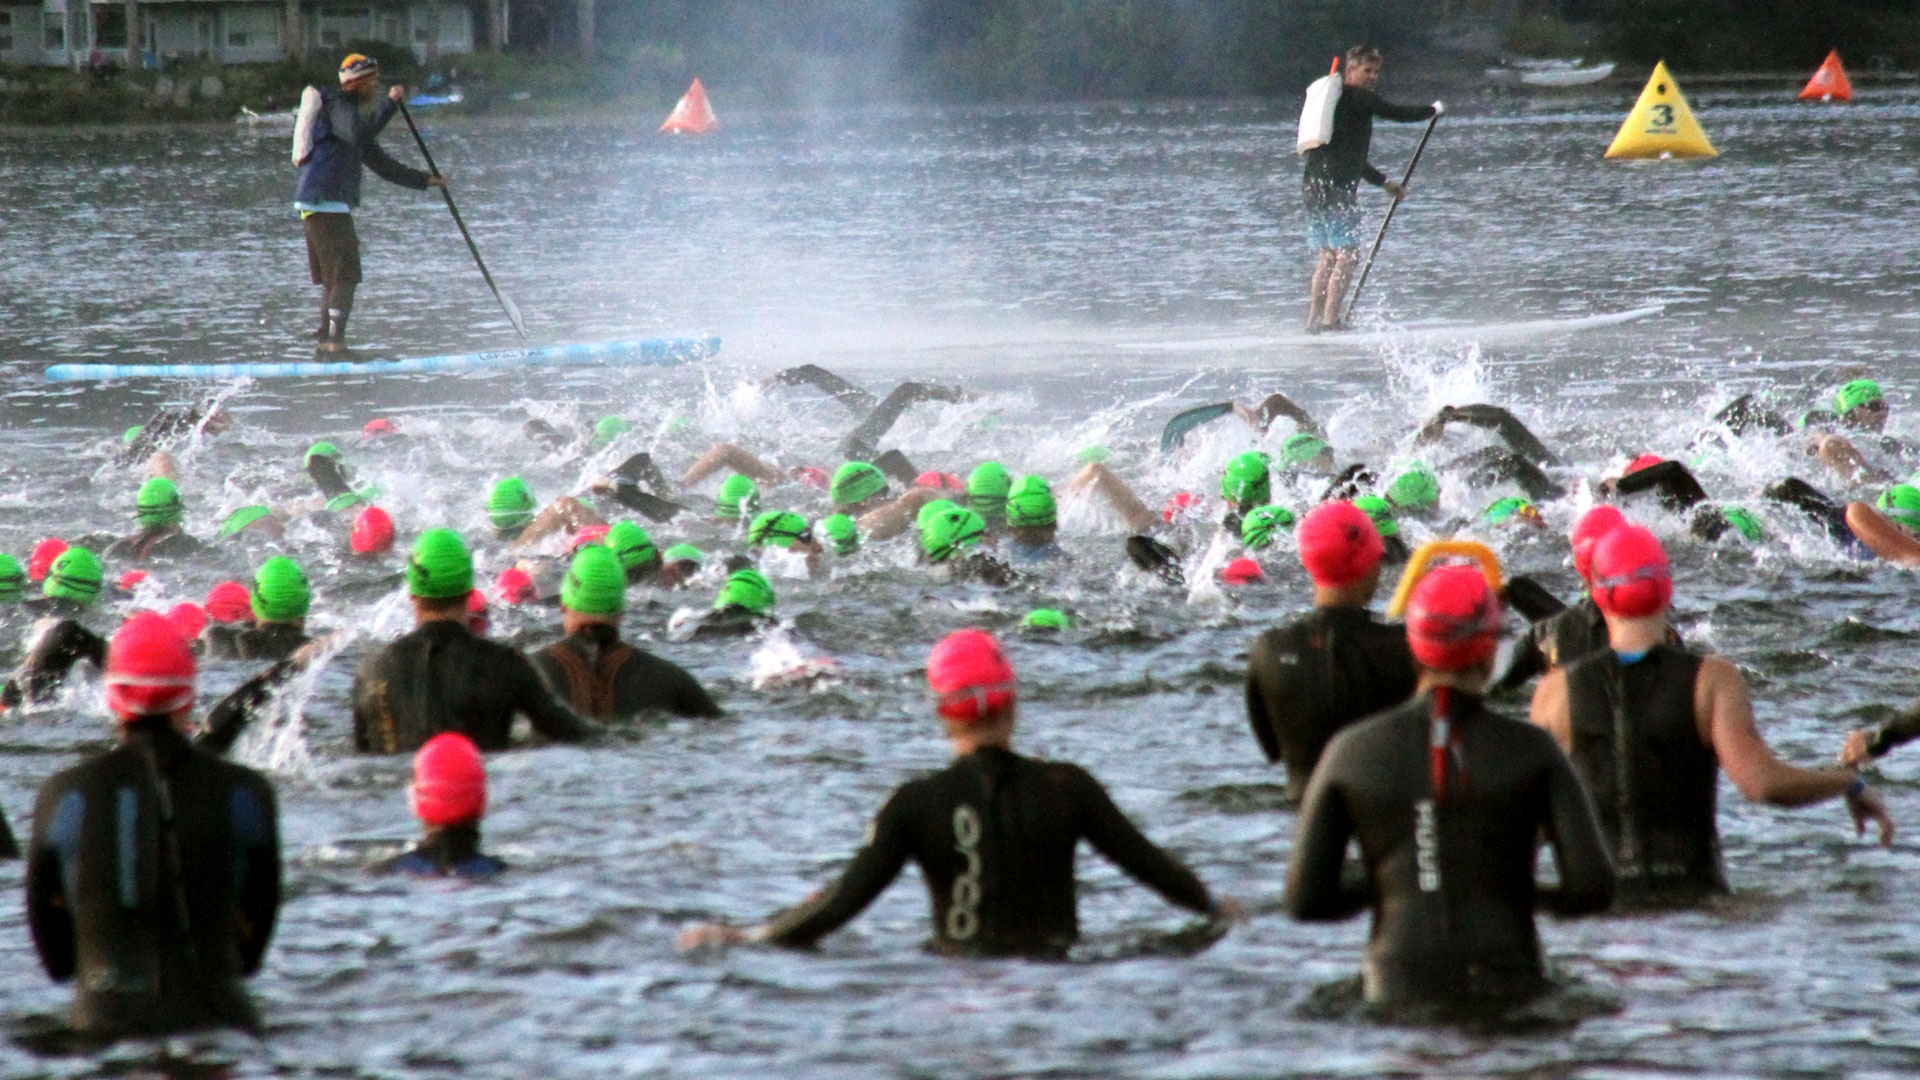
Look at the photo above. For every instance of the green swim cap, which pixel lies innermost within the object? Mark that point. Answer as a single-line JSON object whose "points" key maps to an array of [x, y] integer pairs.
{"points": [[778, 528], [856, 481], [158, 504], [1261, 522], [1031, 503], [280, 592], [931, 508], [1044, 619], [242, 518], [1748, 526], [738, 496], [441, 567], [1245, 481], [949, 531], [13, 580], [987, 487], [1301, 448], [511, 505], [1901, 504], [1090, 455], [322, 449], [1502, 509], [1415, 489], [842, 533], [683, 553], [631, 544], [1855, 394], [606, 429], [132, 433], [746, 589], [74, 576], [1377, 508], [595, 583], [347, 500]]}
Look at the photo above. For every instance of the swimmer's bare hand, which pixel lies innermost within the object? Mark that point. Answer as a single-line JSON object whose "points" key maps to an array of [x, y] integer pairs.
{"points": [[396, 92], [1396, 189], [1854, 752], [709, 936], [1229, 910], [1869, 806]]}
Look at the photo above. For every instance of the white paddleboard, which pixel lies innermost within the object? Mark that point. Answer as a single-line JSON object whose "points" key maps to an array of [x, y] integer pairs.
{"points": [[1410, 335]]}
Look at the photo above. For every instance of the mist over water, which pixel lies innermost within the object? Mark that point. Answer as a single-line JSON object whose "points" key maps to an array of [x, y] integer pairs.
{"points": [[1022, 253]]}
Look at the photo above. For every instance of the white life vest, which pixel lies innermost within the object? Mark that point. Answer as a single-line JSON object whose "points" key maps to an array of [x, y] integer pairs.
{"points": [[1316, 119]]}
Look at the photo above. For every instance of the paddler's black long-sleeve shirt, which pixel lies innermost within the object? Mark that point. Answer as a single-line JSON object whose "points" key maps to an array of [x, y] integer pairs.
{"points": [[1334, 171], [1449, 875], [995, 835], [442, 678]]}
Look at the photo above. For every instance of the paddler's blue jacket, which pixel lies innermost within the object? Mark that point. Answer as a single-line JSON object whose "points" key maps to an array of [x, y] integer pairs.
{"points": [[343, 140]]}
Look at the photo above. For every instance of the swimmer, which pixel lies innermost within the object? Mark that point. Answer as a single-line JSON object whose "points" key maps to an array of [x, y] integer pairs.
{"points": [[449, 796], [280, 601], [1032, 518], [988, 486], [168, 426], [1338, 664], [602, 677], [71, 587], [1650, 727], [441, 677], [640, 559], [1448, 802], [157, 935], [1554, 642], [951, 537], [159, 512], [787, 531], [994, 834]]}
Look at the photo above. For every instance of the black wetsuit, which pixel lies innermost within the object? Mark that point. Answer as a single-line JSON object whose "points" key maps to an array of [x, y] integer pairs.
{"points": [[450, 851], [161, 430], [155, 923], [9, 847], [1897, 732], [46, 667], [329, 475], [1654, 782], [442, 678], [1309, 679], [994, 834], [1333, 172], [264, 641], [159, 542], [1559, 640], [1449, 878], [604, 678]]}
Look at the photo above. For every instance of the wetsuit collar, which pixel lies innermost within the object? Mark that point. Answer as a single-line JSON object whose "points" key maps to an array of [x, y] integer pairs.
{"points": [[447, 846], [601, 634], [1629, 658]]}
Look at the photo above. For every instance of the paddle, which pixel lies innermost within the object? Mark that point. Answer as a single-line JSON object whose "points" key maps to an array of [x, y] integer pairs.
{"points": [[1347, 312], [506, 305], [1176, 430]]}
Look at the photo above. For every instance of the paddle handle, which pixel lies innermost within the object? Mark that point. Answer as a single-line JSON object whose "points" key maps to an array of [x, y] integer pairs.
{"points": [[513, 316], [1354, 298]]}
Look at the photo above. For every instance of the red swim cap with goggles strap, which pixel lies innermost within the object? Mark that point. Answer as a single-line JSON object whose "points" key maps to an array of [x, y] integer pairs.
{"points": [[1631, 576], [969, 676], [1453, 619]]}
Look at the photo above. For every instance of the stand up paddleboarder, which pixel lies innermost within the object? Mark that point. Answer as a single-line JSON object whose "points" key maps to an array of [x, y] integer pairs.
{"points": [[332, 138], [1330, 186]]}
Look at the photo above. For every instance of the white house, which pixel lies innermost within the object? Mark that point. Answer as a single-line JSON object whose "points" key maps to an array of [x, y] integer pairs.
{"points": [[74, 33]]}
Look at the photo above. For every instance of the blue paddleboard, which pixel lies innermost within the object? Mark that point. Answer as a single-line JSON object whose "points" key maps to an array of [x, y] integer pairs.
{"points": [[657, 352]]}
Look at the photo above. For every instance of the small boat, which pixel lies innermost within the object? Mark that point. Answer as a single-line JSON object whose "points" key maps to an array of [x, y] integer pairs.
{"points": [[249, 118], [1566, 76], [428, 101]]}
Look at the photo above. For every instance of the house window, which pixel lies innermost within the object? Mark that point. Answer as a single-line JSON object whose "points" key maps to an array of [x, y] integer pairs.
{"points": [[236, 39], [6, 31], [53, 30]]}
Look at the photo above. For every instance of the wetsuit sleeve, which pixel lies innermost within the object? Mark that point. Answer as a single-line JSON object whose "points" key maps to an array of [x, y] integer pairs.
{"points": [[692, 699], [257, 835], [49, 916], [229, 719], [874, 867], [9, 847], [1386, 110], [535, 700], [1113, 836], [1898, 731], [390, 170], [1586, 871], [1258, 719], [328, 476], [1529, 659], [1315, 890], [1678, 488]]}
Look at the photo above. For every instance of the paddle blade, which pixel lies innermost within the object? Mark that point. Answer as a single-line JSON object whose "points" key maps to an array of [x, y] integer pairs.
{"points": [[513, 313], [1176, 430]]}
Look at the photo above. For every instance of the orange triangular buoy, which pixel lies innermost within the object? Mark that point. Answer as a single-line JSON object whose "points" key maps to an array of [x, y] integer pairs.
{"points": [[692, 116], [1829, 83]]}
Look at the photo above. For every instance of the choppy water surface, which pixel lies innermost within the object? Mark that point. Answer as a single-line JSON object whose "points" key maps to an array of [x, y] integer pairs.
{"points": [[1016, 252]]}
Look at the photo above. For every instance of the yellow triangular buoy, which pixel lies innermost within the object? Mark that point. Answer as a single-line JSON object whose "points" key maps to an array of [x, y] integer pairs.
{"points": [[1660, 124]]}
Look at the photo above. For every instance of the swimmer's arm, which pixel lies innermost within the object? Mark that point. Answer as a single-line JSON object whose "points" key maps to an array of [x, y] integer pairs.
{"points": [[1139, 519], [49, 916], [1315, 889], [883, 417], [564, 514], [1836, 452], [826, 381], [1549, 710], [1278, 405], [9, 847], [1126, 847], [874, 867], [1579, 852], [548, 715], [1720, 701], [228, 720], [1257, 717], [729, 456], [897, 516], [1677, 486], [257, 828], [1882, 537], [1503, 423]]}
